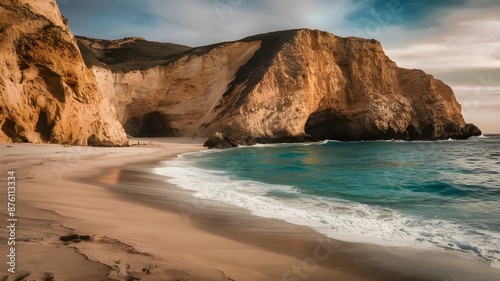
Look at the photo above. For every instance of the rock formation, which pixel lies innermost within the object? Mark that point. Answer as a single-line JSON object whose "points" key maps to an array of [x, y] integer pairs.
{"points": [[283, 86], [220, 141], [47, 94]]}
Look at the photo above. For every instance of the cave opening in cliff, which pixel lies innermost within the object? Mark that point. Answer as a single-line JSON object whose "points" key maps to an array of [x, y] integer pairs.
{"points": [[43, 127], [153, 124], [9, 128], [328, 124], [53, 81], [132, 126], [412, 132]]}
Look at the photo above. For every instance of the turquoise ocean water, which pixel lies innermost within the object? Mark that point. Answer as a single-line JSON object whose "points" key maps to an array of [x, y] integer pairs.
{"points": [[441, 195]]}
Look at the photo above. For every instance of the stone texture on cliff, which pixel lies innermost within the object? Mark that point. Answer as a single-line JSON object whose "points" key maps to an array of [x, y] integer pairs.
{"points": [[47, 94], [174, 99], [290, 85]]}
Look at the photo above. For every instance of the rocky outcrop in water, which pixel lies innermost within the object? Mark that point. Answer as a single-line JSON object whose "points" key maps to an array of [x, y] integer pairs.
{"points": [[47, 94], [294, 85], [220, 141]]}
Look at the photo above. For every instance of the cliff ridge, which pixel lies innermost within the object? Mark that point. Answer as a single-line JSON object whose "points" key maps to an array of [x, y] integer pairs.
{"points": [[291, 85]]}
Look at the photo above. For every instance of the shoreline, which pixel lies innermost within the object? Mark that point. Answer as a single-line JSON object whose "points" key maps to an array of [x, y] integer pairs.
{"points": [[373, 260], [154, 239], [129, 239]]}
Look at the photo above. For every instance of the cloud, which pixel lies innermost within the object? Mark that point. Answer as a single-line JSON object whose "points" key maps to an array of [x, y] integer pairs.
{"points": [[469, 76], [201, 22], [483, 115], [108, 18], [467, 40], [480, 104], [223, 20], [495, 54], [410, 14]]}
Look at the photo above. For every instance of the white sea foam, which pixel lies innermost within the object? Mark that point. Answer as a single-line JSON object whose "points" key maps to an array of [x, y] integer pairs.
{"points": [[339, 219], [289, 144]]}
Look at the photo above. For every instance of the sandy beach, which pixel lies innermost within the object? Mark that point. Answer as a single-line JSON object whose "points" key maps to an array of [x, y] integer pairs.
{"points": [[130, 240], [129, 224]]}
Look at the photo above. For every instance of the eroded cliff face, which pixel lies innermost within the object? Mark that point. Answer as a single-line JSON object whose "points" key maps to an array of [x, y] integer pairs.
{"points": [[47, 94], [178, 98], [284, 86]]}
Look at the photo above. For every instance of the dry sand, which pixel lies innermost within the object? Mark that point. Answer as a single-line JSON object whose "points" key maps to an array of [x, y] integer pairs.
{"points": [[130, 240], [141, 227]]}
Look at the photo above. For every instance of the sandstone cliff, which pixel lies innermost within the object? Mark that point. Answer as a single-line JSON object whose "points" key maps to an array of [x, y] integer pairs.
{"points": [[282, 86], [47, 94]]}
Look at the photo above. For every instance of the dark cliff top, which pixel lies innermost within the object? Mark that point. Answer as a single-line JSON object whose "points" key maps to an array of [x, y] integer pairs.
{"points": [[128, 54], [134, 53]]}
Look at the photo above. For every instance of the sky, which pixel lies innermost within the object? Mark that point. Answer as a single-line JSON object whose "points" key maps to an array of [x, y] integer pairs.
{"points": [[457, 41]]}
